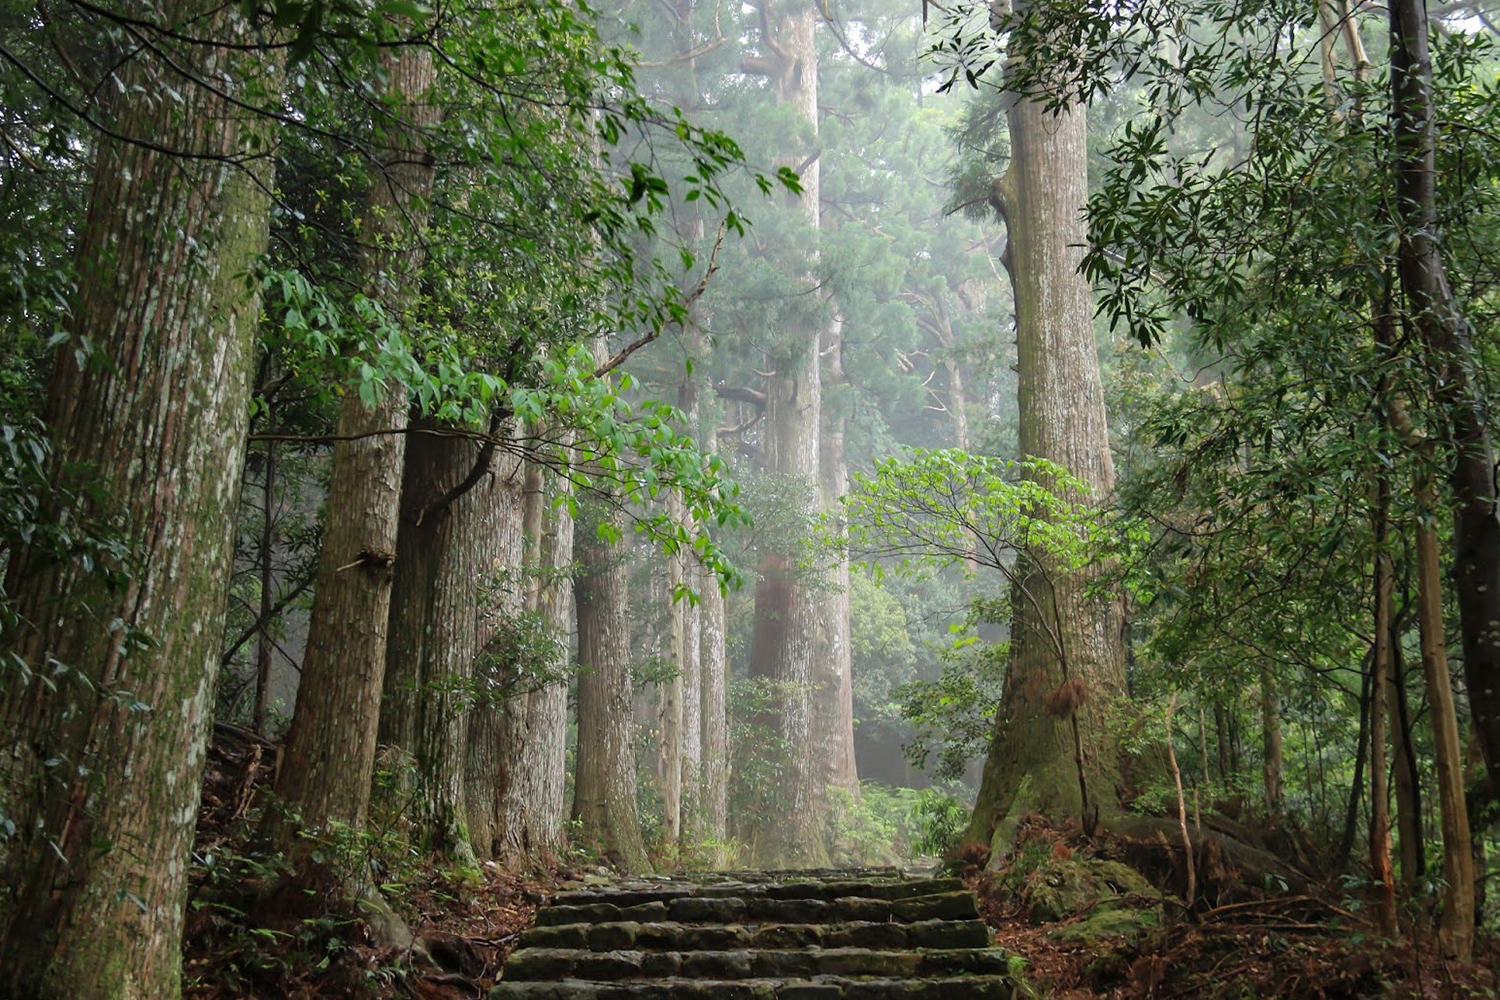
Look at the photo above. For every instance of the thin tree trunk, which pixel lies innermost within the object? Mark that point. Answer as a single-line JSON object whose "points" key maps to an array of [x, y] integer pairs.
{"points": [[265, 646], [669, 708], [1271, 765], [103, 762], [1407, 778], [1456, 926], [1381, 696], [715, 716], [604, 802], [1444, 333]]}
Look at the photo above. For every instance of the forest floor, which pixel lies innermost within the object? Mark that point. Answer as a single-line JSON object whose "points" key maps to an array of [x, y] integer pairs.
{"points": [[1088, 917]]}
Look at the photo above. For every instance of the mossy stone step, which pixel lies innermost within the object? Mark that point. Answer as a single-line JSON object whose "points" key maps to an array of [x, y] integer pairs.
{"points": [[942, 905], [839, 935], [748, 963], [674, 936], [832, 988]]}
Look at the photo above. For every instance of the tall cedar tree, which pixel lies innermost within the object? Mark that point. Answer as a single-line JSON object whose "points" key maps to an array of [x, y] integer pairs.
{"points": [[102, 774]]}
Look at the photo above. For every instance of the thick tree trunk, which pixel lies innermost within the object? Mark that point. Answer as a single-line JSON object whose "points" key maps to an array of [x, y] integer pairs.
{"points": [[494, 769], [445, 556], [833, 661], [604, 801], [329, 761], [532, 803], [1444, 332], [787, 610], [1061, 634], [101, 772]]}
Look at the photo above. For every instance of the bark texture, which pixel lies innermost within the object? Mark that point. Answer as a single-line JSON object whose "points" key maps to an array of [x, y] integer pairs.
{"points": [[101, 774], [1454, 360], [833, 661], [604, 789], [787, 611], [330, 752], [496, 736], [1059, 632], [445, 556], [713, 701]]}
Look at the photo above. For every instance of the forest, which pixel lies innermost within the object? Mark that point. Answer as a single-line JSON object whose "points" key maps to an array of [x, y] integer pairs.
{"points": [[464, 460]]}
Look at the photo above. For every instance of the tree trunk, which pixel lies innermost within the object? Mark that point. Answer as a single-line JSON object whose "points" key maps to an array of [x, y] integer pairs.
{"points": [[833, 661], [445, 555], [669, 709], [101, 772], [329, 761], [784, 637], [1456, 926], [265, 645], [604, 801], [1271, 766], [496, 744], [1444, 333], [714, 701], [1407, 778], [531, 806], [1381, 695], [1060, 632]]}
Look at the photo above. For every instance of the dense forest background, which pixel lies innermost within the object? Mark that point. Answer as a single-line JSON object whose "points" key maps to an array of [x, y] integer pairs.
{"points": [[491, 437]]}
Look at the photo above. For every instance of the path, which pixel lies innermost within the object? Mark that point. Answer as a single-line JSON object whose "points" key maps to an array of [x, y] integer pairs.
{"points": [[869, 934]]}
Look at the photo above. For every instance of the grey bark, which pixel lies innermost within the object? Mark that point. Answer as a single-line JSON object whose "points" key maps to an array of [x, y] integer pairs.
{"points": [[101, 774]]}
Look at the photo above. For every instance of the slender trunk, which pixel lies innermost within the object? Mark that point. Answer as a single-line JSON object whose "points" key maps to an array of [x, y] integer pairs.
{"points": [[1444, 334], [1456, 926], [715, 717], [1063, 632], [107, 724], [669, 708], [604, 787], [265, 646], [1381, 696], [1408, 779], [1271, 766], [1356, 787]]}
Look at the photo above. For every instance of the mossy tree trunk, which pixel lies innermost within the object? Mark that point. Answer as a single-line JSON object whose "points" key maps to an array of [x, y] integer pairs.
{"points": [[1040, 761], [106, 730], [604, 802], [329, 761], [789, 831]]}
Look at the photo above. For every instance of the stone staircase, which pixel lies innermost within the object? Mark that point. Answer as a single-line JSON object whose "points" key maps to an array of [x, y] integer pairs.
{"points": [[864, 934]]}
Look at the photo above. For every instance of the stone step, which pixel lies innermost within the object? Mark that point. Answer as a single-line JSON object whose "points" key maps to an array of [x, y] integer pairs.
{"points": [[822, 988], [675, 936], [636, 893], [946, 904], [553, 964]]}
